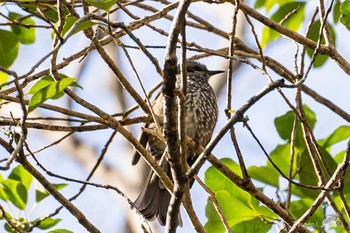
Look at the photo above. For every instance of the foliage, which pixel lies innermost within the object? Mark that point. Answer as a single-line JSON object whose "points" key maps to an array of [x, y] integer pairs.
{"points": [[292, 14], [48, 88], [298, 170], [242, 211], [14, 191], [247, 209], [345, 12], [103, 5]]}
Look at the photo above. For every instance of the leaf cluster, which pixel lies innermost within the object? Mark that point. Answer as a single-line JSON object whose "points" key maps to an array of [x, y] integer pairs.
{"points": [[246, 214], [15, 191]]}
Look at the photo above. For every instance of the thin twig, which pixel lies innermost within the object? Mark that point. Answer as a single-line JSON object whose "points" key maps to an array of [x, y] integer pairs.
{"points": [[57, 195], [9, 221], [234, 119], [337, 175], [214, 201]]}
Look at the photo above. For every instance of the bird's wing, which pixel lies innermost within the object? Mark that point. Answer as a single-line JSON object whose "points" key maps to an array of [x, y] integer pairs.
{"points": [[143, 139]]}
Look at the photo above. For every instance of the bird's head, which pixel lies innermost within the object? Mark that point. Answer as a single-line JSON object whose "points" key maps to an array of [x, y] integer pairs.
{"points": [[193, 66]]}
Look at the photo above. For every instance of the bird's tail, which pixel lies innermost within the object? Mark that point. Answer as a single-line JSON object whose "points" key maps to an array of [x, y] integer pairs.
{"points": [[154, 200]]}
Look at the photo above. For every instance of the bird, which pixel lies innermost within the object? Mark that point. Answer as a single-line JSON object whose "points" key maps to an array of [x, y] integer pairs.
{"points": [[201, 114]]}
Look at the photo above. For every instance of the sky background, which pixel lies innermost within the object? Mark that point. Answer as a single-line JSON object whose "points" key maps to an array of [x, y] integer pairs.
{"points": [[105, 208]]}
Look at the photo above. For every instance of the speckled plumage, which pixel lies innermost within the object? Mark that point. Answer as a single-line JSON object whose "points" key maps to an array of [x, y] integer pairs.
{"points": [[201, 117]]}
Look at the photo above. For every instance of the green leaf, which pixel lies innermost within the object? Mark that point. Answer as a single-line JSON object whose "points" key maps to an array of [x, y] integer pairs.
{"points": [[22, 175], [236, 213], [345, 11], [3, 78], [345, 7], [336, 226], [270, 3], [216, 181], [105, 5], [299, 207], [75, 84], [259, 4], [49, 10], [314, 35], [3, 194], [43, 82], [237, 205], [346, 189], [336, 11], [265, 212], [338, 200], [25, 35], [54, 90], [41, 193], [46, 81], [21, 224], [24, 179], [259, 173], [293, 22], [214, 223], [308, 175], [235, 210], [9, 47], [340, 134], [70, 20], [38, 98], [15, 192], [284, 126], [62, 84], [281, 158], [339, 157], [47, 223], [254, 225], [61, 231]]}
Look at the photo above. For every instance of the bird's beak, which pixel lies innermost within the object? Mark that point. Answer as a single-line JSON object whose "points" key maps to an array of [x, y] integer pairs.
{"points": [[214, 72]]}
